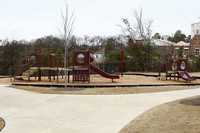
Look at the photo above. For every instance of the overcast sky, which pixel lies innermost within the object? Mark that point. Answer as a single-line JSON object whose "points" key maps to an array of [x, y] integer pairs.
{"points": [[31, 19]]}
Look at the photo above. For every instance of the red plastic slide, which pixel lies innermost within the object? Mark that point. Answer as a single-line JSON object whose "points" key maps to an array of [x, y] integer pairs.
{"points": [[184, 75], [102, 73]]}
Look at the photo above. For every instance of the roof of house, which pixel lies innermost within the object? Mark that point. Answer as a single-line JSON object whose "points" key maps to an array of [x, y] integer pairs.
{"points": [[182, 43], [159, 42]]}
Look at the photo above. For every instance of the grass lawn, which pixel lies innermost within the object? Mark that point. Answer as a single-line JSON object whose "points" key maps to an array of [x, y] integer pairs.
{"points": [[182, 116], [103, 91], [2, 124]]}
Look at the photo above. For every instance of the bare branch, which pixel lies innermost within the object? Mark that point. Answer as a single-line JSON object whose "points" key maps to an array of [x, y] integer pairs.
{"points": [[66, 30], [140, 30], [66, 25]]}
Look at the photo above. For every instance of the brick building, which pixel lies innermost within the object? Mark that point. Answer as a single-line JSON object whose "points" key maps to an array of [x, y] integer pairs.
{"points": [[166, 47], [195, 45], [195, 39]]}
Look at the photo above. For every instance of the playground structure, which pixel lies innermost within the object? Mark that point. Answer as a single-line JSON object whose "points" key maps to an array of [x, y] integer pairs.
{"points": [[178, 69], [79, 67], [44, 60], [82, 66]]}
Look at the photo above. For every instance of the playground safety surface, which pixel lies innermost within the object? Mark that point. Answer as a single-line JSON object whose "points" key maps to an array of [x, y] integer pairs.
{"points": [[105, 89], [129, 80]]}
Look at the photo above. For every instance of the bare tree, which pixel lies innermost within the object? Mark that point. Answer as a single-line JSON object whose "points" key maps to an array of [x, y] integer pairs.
{"points": [[143, 28], [66, 30], [127, 30], [139, 30]]}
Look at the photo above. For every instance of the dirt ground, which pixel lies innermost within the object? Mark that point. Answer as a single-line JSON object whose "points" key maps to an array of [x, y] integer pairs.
{"points": [[125, 80], [98, 80], [6, 81], [2, 124], [173, 117]]}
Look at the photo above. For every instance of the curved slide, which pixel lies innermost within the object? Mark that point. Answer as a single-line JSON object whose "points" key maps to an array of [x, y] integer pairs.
{"points": [[102, 73], [184, 75]]}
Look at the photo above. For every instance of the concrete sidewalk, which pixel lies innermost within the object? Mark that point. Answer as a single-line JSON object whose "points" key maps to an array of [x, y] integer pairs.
{"points": [[28, 112]]}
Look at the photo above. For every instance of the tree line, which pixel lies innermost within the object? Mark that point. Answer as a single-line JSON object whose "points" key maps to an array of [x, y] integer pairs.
{"points": [[12, 53], [139, 55]]}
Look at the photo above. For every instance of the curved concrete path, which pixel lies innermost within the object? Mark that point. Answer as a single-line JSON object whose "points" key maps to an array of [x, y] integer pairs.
{"points": [[27, 112]]}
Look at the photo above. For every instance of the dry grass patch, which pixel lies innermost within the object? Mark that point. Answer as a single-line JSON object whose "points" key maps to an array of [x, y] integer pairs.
{"points": [[103, 91], [2, 124], [173, 117], [191, 101]]}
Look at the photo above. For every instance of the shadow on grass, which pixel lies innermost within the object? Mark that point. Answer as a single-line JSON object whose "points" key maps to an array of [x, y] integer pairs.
{"points": [[193, 101]]}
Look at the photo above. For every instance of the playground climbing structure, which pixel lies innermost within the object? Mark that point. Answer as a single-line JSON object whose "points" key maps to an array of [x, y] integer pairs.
{"points": [[178, 68], [82, 67], [44, 60]]}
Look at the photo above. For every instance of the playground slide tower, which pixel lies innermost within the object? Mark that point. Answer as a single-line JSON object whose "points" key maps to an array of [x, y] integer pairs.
{"points": [[180, 66], [82, 66]]}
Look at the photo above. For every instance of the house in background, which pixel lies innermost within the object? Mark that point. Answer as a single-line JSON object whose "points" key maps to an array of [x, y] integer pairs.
{"points": [[186, 47], [195, 29], [99, 55], [195, 39], [163, 46]]}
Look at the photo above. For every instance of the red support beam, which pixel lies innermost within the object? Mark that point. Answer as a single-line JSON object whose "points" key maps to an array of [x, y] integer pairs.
{"points": [[122, 63]]}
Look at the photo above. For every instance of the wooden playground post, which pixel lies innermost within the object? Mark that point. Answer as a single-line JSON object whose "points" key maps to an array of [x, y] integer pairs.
{"points": [[54, 75], [166, 67], [88, 65], [49, 63], [121, 63], [187, 63], [63, 67], [39, 64], [57, 70], [174, 70], [159, 66], [68, 59], [73, 62], [39, 75], [29, 74], [54, 62]]}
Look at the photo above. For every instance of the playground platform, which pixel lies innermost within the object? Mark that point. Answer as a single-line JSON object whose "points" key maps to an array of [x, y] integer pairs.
{"points": [[33, 70]]}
